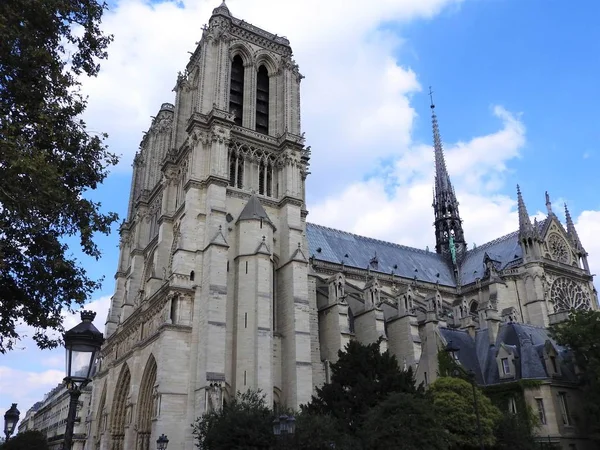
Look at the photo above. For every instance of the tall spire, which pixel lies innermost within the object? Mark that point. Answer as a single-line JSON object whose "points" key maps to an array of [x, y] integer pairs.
{"points": [[572, 232], [525, 227], [448, 225]]}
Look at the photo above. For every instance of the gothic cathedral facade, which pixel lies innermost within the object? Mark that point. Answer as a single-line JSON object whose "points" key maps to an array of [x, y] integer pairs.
{"points": [[222, 286]]}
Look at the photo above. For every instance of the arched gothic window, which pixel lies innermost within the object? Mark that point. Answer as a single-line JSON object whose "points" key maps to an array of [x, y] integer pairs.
{"points": [[236, 89], [262, 100]]}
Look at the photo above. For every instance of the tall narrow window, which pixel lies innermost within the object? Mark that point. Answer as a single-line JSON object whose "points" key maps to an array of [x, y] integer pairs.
{"points": [[541, 411], [564, 408], [261, 177], [505, 366], [236, 89], [262, 100], [236, 169], [240, 173], [350, 321], [232, 167], [270, 180]]}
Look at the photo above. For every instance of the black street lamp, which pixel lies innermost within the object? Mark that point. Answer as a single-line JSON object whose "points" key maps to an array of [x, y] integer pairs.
{"points": [[11, 417], [82, 344], [162, 442], [283, 429], [284, 425], [456, 372]]}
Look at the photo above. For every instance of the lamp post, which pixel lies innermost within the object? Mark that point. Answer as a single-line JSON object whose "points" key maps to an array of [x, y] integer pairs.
{"points": [[11, 417], [284, 426], [456, 372], [162, 442], [82, 344]]}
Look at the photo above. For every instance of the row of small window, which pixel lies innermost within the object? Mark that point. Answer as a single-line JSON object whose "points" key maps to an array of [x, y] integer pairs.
{"points": [[238, 168], [236, 95], [551, 358]]}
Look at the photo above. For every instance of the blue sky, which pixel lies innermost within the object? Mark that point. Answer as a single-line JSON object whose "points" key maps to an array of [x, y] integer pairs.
{"points": [[515, 84]]}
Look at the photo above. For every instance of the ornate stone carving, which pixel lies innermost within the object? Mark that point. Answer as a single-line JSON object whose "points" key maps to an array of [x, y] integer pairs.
{"points": [[214, 397], [568, 294]]}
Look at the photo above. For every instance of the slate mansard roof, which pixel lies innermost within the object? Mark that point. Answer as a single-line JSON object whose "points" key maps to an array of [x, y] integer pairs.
{"points": [[525, 341], [330, 245]]}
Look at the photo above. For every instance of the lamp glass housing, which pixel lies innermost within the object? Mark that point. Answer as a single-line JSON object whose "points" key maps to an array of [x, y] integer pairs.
{"points": [[82, 344], [162, 442], [11, 417], [80, 360]]}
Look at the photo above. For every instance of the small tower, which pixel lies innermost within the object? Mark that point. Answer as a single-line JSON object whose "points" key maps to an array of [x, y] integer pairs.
{"points": [[527, 232], [449, 236]]}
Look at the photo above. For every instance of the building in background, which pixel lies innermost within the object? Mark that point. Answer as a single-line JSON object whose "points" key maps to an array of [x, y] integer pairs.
{"points": [[222, 285], [50, 417]]}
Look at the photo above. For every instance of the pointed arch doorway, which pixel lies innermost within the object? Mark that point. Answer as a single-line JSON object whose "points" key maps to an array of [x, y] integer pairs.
{"points": [[119, 409], [146, 405]]}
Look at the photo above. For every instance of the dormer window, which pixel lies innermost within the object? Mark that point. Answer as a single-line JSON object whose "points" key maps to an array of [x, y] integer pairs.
{"points": [[551, 360], [505, 360]]}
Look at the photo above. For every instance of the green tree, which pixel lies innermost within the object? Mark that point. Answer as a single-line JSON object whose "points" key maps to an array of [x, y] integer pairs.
{"points": [[320, 432], [403, 421], [453, 404], [581, 333], [515, 432], [48, 161], [360, 379], [28, 440], [244, 423]]}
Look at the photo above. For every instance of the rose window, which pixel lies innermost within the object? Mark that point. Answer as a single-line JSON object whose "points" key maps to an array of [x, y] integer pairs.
{"points": [[558, 249], [567, 295]]}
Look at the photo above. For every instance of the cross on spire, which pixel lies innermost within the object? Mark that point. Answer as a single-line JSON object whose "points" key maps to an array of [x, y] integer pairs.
{"points": [[431, 105]]}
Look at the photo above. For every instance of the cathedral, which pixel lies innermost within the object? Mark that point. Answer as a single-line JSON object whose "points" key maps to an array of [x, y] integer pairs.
{"points": [[222, 285]]}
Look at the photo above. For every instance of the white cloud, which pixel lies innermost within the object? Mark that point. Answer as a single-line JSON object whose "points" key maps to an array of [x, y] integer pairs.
{"points": [[393, 205], [588, 229], [337, 44], [27, 387]]}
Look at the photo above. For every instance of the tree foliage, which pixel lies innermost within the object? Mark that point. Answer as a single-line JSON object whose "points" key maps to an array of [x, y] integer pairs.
{"points": [[244, 423], [453, 404], [360, 379], [320, 432], [48, 161], [581, 333], [515, 433], [28, 440], [403, 421]]}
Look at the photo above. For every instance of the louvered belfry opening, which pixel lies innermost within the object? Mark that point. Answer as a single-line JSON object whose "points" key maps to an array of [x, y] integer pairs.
{"points": [[262, 100], [236, 89]]}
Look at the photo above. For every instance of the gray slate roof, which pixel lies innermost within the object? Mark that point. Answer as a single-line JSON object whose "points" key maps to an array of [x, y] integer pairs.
{"points": [[503, 251], [526, 341], [330, 245], [334, 245], [253, 210]]}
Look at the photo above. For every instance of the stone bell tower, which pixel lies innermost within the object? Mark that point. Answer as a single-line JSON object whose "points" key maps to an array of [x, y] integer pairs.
{"points": [[212, 290]]}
